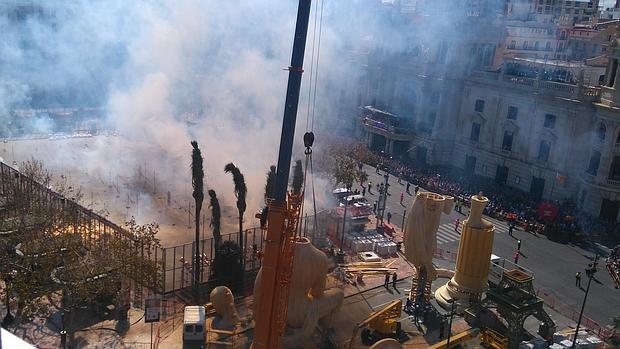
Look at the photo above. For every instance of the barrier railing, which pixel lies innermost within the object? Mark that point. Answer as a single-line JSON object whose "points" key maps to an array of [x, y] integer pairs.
{"points": [[571, 313]]}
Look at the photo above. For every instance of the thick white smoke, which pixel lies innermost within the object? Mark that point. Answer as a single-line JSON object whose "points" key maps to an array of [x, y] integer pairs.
{"points": [[168, 72]]}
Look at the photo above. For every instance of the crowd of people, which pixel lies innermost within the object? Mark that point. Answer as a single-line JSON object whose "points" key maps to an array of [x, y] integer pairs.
{"points": [[613, 265], [504, 201]]}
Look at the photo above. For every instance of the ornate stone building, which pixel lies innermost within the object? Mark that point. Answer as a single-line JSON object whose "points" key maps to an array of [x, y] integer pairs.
{"points": [[540, 126]]}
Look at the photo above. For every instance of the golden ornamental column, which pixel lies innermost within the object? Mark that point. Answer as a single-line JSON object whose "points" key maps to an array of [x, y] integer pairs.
{"points": [[470, 279]]}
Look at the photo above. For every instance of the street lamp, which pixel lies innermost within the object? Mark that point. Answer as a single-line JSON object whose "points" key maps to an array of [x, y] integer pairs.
{"points": [[590, 271], [344, 222], [382, 200], [451, 302]]}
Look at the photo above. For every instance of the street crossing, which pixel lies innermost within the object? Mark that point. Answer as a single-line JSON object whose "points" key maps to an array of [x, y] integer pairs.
{"points": [[446, 233]]}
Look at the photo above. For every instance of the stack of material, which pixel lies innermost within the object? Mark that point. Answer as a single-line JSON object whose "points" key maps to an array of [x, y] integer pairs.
{"points": [[369, 240], [367, 268], [385, 248]]}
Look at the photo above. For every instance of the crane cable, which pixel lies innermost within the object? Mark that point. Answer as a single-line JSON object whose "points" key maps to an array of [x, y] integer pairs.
{"points": [[310, 113]]}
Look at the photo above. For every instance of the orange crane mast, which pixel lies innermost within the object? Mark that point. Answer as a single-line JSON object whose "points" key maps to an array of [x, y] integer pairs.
{"points": [[283, 214]]}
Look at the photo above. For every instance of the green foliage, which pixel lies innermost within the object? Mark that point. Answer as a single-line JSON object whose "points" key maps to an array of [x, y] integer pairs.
{"points": [[344, 170], [227, 266], [298, 177]]}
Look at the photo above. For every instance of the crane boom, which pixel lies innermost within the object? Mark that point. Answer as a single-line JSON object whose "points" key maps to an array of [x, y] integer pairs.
{"points": [[282, 217]]}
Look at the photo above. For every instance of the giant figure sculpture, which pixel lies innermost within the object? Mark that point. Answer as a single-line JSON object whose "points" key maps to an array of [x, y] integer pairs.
{"points": [[420, 239], [470, 279], [309, 302], [224, 304]]}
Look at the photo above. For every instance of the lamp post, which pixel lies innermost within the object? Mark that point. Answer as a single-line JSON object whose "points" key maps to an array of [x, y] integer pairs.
{"points": [[382, 200], [344, 222], [451, 302], [590, 271]]}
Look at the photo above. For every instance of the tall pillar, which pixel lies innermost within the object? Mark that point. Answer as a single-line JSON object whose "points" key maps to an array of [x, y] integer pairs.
{"points": [[390, 146], [473, 259]]}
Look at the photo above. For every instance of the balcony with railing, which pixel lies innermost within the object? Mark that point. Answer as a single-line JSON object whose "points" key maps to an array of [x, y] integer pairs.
{"points": [[387, 130], [554, 80], [613, 182]]}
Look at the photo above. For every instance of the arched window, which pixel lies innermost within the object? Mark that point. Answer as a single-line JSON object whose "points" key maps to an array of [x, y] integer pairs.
{"points": [[600, 133]]}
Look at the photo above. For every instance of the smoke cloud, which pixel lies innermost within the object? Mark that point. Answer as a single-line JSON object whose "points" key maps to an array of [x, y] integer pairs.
{"points": [[167, 72]]}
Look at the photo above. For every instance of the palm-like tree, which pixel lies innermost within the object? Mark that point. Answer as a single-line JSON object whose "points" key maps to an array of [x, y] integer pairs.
{"points": [[271, 182], [240, 192], [298, 177], [216, 215], [198, 194]]}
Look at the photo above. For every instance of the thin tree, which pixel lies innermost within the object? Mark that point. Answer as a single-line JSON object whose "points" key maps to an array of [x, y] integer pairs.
{"points": [[240, 192], [298, 177], [198, 194], [216, 215], [271, 182]]}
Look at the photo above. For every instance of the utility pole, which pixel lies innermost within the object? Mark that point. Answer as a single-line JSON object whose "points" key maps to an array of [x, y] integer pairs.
{"points": [[344, 222], [590, 271]]}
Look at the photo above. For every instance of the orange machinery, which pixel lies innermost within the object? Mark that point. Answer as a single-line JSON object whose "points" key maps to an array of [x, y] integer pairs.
{"points": [[283, 210]]}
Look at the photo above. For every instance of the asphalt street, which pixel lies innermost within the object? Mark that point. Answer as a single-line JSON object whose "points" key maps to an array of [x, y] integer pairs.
{"points": [[554, 264]]}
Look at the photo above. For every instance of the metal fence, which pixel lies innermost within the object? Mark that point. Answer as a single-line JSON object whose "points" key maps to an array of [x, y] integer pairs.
{"points": [[95, 230], [178, 261]]}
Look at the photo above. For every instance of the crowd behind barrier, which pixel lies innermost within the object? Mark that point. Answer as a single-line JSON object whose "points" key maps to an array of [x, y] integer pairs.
{"points": [[503, 200], [613, 265]]}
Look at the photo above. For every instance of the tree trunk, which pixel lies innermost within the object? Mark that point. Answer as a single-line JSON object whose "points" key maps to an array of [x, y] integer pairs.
{"points": [[197, 248], [241, 239]]}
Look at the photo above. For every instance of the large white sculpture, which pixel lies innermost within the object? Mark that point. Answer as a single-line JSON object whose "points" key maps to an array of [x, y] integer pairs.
{"points": [[224, 304], [420, 239], [470, 279], [309, 301]]}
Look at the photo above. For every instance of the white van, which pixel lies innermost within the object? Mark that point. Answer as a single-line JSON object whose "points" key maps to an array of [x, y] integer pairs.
{"points": [[194, 323]]}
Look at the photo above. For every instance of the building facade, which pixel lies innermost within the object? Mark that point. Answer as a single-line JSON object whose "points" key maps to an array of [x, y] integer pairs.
{"points": [[541, 126], [578, 10]]}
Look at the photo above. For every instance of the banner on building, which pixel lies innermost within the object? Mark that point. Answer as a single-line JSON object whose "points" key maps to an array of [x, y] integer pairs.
{"points": [[547, 211]]}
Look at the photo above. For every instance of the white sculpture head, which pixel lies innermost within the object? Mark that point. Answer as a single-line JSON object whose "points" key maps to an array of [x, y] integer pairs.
{"points": [[224, 305]]}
